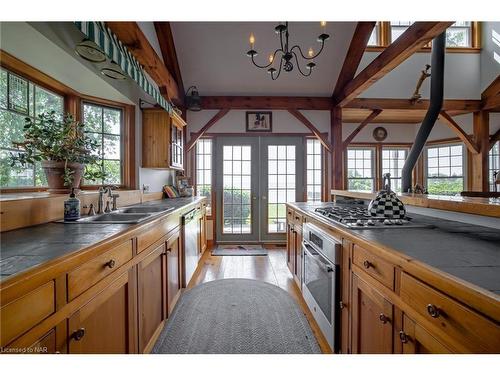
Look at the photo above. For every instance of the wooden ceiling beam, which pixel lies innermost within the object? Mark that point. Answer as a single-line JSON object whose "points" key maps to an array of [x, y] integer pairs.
{"points": [[494, 138], [407, 44], [299, 116], [168, 52], [490, 97], [266, 102], [203, 130], [134, 39], [448, 120], [355, 52], [466, 105], [361, 126]]}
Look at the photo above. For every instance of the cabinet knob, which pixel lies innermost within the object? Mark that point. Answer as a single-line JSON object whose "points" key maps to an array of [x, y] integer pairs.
{"points": [[78, 334], [383, 318], [433, 310], [169, 250], [111, 263], [367, 264], [403, 337]]}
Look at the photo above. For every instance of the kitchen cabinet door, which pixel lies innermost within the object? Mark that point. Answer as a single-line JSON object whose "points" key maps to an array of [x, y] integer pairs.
{"points": [[173, 270], [417, 340], [290, 246], [152, 303], [372, 319], [107, 323], [155, 138], [203, 230], [298, 255]]}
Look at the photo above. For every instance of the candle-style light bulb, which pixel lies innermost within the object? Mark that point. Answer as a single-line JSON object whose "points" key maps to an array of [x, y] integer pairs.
{"points": [[252, 40], [271, 58], [310, 52], [323, 26]]}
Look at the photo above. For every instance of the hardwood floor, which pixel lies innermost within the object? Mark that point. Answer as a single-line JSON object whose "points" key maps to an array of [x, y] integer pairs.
{"points": [[271, 269]]}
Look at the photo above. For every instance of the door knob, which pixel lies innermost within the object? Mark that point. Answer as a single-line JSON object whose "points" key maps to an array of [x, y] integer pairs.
{"points": [[383, 318]]}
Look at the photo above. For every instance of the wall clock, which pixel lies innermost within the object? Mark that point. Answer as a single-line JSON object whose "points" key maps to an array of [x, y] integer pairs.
{"points": [[379, 133]]}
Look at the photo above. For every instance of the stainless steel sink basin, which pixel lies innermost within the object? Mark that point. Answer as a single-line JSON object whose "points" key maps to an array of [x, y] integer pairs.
{"points": [[146, 209], [115, 218]]}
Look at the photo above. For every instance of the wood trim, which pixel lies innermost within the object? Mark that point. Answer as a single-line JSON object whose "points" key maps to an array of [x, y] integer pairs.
{"points": [[407, 44], [361, 126], [169, 54], [207, 126], [132, 37], [299, 116], [448, 121], [354, 54]]}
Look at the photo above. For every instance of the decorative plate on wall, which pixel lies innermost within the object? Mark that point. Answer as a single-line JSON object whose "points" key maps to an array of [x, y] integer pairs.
{"points": [[379, 133]]}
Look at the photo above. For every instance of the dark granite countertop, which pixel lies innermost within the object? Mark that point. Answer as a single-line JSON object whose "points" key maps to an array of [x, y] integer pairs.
{"points": [[21, 249], [469, 252]]}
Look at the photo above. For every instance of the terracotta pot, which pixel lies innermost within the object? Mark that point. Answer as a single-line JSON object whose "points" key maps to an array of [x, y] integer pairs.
{"points": [[54, 170]]}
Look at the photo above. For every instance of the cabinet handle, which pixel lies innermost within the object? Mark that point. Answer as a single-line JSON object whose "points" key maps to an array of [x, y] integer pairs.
{"points": [[111, 263], [403, 337], [384, 319], [367, 264], [169, 250], [78, 334], [433, 311]]}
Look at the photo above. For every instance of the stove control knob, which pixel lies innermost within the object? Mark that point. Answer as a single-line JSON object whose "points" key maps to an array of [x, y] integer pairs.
{"points": [[370, 222], [359, 222], [399, 222], [387, 222]]}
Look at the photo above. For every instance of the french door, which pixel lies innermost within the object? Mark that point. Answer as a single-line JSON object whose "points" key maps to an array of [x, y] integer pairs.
{"points": [[255, 177]]}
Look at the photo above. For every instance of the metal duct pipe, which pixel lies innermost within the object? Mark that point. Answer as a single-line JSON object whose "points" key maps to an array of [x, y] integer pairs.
{"points": [[435, 106]]}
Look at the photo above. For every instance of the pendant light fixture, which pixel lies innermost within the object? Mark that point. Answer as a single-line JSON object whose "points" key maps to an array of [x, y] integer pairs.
{"points": [[113, 70], [193, 101], [90, 51]]}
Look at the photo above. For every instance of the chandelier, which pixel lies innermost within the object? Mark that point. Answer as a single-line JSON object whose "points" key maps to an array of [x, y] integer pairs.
{"points": [[287, 55]]}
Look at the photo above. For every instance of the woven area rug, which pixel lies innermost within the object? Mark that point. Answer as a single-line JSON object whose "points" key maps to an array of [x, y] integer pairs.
{"points": [[236, 316], [232, 250]]}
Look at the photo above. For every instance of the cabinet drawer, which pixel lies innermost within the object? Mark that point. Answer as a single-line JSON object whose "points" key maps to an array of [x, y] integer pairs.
{"points": [[24, 313], [88, 274], [298, 218], [289, 214], [459, 322], [374, 266], [150, 236]]}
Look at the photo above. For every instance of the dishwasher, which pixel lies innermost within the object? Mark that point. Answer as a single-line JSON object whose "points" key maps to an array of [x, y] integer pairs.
{"points": [[191, 246]]}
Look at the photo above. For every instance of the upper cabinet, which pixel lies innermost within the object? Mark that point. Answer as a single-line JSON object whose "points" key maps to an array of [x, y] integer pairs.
{"points": [[162, 139]]}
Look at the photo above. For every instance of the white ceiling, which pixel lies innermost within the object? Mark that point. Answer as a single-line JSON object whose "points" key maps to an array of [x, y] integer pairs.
{"points": [[212, 56]]}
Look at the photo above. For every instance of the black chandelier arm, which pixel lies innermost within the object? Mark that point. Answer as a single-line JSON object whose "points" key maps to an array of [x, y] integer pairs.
{"points": [[279, 71], [298, 66], [268, 65], [306, 57]]}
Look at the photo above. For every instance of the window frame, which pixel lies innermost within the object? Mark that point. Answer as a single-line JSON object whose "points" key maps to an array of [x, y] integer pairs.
{"points": [[374, 165], [384, 40], [211, 214], [441, 145], [381, 156], [491, 155], [322, 169], [72, 104]]}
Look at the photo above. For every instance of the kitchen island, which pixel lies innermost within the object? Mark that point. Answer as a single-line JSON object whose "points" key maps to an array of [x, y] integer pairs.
{"points": [[430, 288]]}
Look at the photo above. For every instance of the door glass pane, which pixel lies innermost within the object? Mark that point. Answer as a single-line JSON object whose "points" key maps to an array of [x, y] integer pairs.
{"points": [[237, 209], [281, 185]]}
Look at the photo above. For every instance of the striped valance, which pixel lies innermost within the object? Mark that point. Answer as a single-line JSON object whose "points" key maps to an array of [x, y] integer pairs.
{"points": [[116, 51]]}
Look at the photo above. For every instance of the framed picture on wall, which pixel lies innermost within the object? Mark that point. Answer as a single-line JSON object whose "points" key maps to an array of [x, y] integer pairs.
{"points": [[259, 121]]}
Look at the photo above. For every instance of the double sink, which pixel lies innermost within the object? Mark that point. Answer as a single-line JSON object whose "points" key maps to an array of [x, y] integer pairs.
{"points": [[126, 215]]}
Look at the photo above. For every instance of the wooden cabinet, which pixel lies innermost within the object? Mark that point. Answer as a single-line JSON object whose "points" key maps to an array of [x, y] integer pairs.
{"points": [[416, 340], [106, 323], [372, 319], [174, 282], [203, 229], [152, 300], [290, 247], [298, 255], [162, 139]]}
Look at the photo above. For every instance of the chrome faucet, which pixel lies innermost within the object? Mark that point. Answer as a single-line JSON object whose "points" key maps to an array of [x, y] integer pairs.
{"points": [[100, 202]]}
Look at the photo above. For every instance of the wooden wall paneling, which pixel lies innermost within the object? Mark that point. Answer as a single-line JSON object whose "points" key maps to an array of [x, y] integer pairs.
{"points": [[361, 126], [448, 121], [337, 153], [204, 129], [133, 38], [480, 160], [308, 124], [417, 35], [354, 54]]}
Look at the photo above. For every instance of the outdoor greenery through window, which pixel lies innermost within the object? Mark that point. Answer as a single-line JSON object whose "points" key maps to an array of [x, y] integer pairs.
{"points": [[204, 171], [21, 98], [313, 170], [494, 164], [445, 169], [360, 169], [457, 35], [104, 124], [393, 160]]}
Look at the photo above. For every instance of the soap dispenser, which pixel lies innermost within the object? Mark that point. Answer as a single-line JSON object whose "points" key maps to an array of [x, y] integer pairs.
{"points": [[72, 207]]}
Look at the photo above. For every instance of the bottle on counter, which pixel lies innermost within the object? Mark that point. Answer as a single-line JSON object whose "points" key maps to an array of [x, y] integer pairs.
{"points": [[72, 207]]}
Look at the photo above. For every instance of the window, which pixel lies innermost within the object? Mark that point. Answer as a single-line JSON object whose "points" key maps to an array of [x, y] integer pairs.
{"points": [[176, 146], [398, 28], [204, 171], [104, 124], [360, 169], [445, 169], [393, 160], [314, 173], [374, 37], [457, 35], [21, 98], [494, 164]]}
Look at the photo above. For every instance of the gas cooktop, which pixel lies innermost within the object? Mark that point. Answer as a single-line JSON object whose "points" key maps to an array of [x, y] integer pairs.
{"points": [[357, 217]]}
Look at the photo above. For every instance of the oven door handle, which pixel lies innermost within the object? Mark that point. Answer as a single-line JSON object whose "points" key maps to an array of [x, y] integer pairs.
{"points": [[317, 257]]}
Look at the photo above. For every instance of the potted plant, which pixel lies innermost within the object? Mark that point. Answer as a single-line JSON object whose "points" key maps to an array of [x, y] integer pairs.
{"points": [[64, 150]]}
